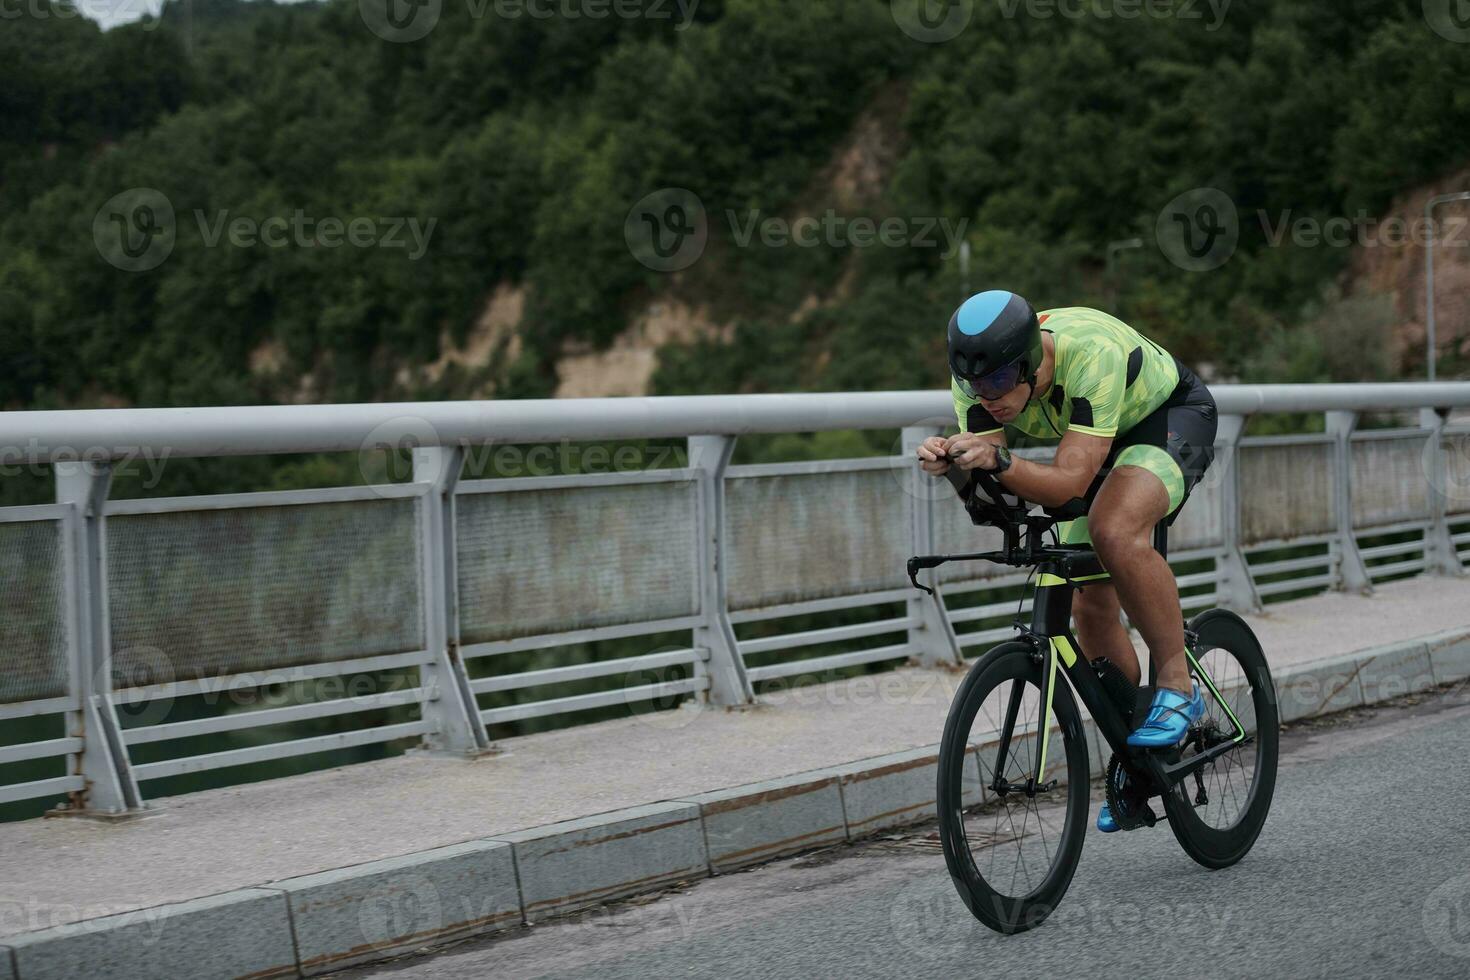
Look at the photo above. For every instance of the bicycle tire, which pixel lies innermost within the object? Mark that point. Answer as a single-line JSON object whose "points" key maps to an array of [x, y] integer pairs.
{"points": [[1213, 846], [1005, 913]]}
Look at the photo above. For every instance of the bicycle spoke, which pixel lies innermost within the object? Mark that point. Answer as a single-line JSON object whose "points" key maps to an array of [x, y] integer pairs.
{"points": [[1020, 833]]}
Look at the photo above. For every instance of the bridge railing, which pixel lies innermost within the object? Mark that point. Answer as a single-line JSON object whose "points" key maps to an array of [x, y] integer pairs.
{"points": [[461, 596]]}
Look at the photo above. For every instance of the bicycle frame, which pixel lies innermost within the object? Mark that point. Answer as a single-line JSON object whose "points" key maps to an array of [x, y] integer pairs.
{"points": [[1061, 570]]}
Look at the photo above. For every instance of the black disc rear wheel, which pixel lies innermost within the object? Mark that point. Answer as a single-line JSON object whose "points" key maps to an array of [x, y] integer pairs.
{"points": [[1011, 851]]}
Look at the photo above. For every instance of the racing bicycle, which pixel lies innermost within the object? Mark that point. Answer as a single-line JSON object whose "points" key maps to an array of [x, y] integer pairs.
{"points": [[1013, 837]]}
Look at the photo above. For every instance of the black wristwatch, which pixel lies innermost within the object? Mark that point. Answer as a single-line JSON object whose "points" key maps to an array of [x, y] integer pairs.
{"points": [[1002, 460]]}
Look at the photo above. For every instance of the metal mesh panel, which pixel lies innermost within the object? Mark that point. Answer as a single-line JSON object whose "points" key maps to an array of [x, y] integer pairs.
{"points": [[1457, 474], [1199, 524], [550, 561], [953, 533], [810, 536], [33, 647], [1389, 482], [207, 593], [1285, 491]]}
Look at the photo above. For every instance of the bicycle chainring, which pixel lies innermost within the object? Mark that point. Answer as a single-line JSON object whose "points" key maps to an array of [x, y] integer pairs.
{"points": [[1129, 806]]}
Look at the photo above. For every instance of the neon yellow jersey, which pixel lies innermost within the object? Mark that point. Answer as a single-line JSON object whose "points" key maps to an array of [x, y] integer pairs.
{"points": [[1108, 377]]}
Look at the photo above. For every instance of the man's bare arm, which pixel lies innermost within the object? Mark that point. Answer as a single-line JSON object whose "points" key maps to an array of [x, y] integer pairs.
{"points": [[1077, 461]]}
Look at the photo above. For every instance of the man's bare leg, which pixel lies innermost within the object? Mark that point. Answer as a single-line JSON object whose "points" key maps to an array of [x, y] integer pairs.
{"points": [[1121, 520], [1098, 617]]}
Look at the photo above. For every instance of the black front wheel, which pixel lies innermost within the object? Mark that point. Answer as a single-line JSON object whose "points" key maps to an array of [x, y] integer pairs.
{"points": [[1217, 815], [1011, 845]]}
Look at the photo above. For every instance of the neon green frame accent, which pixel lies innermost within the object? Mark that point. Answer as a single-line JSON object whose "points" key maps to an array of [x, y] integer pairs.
{"points": [[1209, 682], [1046, 696], [1063, 645], [1048, 579], [1059, 648]]}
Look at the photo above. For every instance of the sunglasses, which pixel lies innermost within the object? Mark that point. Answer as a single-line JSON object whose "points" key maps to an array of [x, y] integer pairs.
{"points": [[995, 385]]}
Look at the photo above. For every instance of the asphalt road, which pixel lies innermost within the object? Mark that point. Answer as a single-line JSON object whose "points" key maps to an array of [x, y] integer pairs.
{"points": [[1363, 869]]}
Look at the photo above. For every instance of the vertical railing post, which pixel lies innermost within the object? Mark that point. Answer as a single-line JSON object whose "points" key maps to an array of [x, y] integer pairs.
{"points": [[1235, 589], [1441, 555], [930, 631], [449, 704], [1353, 573], [103, 762], [728, 683]]}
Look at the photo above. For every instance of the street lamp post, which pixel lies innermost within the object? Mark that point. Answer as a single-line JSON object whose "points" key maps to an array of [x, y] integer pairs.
{"points": [[1113, 249], [1429, 269]]}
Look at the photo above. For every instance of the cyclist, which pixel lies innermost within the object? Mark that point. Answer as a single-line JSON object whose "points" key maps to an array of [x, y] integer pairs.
{"points": [[1137, 430]]}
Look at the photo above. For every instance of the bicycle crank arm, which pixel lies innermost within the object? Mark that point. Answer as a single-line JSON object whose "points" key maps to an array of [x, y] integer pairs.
{"points": [[1173, 773]]}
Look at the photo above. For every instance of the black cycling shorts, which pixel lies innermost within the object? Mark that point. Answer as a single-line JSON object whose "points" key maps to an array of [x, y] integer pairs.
{"points": [[1175, 442]]}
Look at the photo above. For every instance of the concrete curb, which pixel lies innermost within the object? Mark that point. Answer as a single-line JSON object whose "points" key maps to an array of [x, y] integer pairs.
{"points": [[244, 933], [1449, 656], [755, 823], [579, 863], [372, 911], [326, 921]]}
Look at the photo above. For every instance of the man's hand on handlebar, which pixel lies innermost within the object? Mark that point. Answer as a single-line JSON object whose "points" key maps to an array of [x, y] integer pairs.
{"points": [[933, 455], [970, 452]]}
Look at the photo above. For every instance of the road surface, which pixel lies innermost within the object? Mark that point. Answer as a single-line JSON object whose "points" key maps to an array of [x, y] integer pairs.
{"points": [[1363, 869]]}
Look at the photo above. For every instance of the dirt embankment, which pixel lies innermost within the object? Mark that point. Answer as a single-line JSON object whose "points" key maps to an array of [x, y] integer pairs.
{"points": [[1389, 259]]}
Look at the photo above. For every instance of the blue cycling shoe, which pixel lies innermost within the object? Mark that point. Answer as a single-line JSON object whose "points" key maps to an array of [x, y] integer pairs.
{"points": [[1105, 821], [1169, 718]]}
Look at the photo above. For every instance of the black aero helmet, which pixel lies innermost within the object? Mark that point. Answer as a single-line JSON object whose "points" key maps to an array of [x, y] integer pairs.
{"points": [[994, 337]]}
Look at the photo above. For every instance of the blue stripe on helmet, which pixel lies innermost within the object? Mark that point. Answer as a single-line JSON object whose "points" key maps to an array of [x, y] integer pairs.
{"points": [[980, 311]]}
